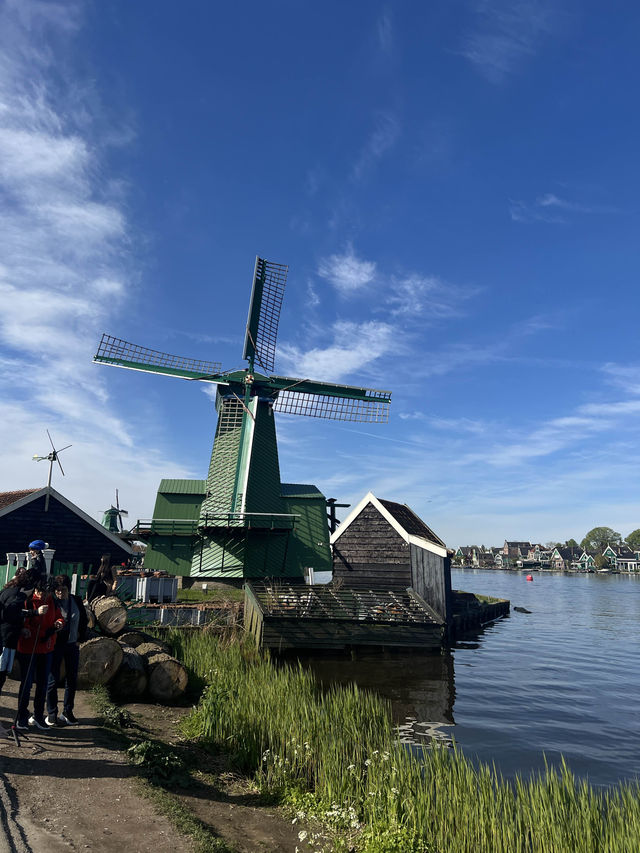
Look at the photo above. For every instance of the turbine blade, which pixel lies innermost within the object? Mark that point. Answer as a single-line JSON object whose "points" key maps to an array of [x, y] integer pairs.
{"points": [[366, 409], [51, 441], [60, 465]]}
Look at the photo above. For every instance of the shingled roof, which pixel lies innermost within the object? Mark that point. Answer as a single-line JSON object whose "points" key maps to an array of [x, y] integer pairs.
{"points": [[8, 498]]}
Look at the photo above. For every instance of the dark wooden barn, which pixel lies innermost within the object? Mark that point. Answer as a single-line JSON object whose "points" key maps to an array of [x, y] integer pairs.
{"points": [[75, 536], [385, 545]]}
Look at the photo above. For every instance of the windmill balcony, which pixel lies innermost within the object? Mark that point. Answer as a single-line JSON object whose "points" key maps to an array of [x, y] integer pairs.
{"points": [[146, 527]]}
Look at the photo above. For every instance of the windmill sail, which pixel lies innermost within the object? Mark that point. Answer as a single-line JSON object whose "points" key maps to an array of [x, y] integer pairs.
{"points": [[124, 354], [269, 280], [331, 401]]}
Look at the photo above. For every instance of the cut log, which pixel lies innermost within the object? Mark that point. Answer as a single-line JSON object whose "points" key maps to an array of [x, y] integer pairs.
{"points": [[167, 677], [130, 681], [110, 614], [100, 659], [137, 638], [145, 650]]}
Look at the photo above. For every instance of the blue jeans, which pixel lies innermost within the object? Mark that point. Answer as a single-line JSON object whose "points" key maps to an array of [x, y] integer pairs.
{"points": [[37, 668], [70, 654]]}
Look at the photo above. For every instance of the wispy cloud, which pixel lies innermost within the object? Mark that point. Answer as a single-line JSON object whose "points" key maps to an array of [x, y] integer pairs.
{"points": [[65, 265], [346, 272], [551, 208], [420, 297], [507, 32], [384, 29], [353, 349], [383, 137]]}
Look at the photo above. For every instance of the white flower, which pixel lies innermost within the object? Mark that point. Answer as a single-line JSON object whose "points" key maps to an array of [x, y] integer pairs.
{"points": [[395, 791], [367, 762], [302, 835]]}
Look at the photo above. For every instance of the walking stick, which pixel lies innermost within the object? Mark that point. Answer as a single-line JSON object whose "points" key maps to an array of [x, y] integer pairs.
{"points": [[17, 734]]}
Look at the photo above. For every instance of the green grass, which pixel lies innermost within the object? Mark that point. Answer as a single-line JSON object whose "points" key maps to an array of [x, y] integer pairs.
{"points": [[333, 756], [214, 595]]}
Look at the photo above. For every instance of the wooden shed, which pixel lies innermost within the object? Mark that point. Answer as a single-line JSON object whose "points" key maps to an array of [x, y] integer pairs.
{"points": [[75, 536], [385, 545], [282, 616]]}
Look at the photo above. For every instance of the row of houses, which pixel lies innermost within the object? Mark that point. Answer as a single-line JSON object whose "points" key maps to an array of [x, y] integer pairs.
{"points": [[525, 555]]}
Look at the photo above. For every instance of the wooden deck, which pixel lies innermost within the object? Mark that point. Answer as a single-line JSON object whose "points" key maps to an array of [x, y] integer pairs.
{"points": [[281, 616]]}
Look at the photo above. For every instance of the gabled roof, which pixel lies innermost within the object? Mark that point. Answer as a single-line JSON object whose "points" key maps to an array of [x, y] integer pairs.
{"points": [[8, 498], [29, 495], [517, 544], [404, 521]]}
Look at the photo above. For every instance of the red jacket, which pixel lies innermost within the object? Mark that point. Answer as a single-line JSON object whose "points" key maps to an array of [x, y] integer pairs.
{"points": [[46, 624]]}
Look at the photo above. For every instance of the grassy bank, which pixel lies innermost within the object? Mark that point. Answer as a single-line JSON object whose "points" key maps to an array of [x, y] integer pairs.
{"points": [[333, 755]]}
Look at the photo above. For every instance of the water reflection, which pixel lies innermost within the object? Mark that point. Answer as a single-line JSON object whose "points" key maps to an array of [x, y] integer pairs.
{"points": [[420, 687]]}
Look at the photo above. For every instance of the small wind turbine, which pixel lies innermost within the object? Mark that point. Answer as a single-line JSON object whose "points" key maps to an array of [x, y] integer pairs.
{"points": [[51, 458]]}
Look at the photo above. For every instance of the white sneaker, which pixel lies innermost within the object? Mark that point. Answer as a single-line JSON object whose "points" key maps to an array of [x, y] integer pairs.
{"points": [[39, 724]]}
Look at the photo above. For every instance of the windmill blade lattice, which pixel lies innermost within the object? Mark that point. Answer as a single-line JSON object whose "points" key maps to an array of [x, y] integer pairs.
{"points": [[124, 354], [372, 409], [269, 280]]}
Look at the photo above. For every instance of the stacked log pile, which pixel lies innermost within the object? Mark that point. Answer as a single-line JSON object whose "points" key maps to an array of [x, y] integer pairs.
{"points": [[131, 662]]}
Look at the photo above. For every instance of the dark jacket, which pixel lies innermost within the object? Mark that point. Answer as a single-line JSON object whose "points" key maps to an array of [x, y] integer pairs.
{"points": [[13, 609], [63, 636], [42, 629]]}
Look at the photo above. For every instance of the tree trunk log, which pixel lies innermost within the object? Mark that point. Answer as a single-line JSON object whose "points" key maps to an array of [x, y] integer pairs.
{"points": [[137, 638], [130, 681], [167, 677], [150, 647], [110, 614], [100, 659]]}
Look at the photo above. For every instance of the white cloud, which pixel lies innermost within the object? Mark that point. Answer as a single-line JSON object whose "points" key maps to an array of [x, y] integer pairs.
{"points": [[551, 208], [346, 272], [382, 138], [65, 270], [354, 347], [507, 33], [421, 297]]}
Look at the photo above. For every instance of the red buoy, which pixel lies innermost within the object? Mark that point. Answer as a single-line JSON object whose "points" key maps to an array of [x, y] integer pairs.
{"points": [[529, 577]]}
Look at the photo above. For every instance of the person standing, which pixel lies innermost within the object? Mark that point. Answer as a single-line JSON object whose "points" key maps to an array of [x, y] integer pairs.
{"points": [[13, 611], [67, 650], [36, 558], [34, 653], [104, 581]]}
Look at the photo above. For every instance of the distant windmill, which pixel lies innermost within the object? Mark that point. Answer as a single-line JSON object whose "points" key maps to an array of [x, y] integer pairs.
{"points": [[112, 518], [51, 458], [244, 499]]}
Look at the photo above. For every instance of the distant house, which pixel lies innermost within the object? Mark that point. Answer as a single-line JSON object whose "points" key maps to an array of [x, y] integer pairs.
{"points": [[565, 558], [516, 550], [622, 557], [587, 561], [467, 555], [75, 536], [384, 545]]}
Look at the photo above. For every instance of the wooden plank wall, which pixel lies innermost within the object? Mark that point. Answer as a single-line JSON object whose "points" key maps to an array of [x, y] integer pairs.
{"points": [[74, 540], [431, 579], [370, 553]]}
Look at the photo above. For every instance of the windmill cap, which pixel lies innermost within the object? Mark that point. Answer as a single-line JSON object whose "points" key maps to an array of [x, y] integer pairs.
{"points": [[38, 544]]}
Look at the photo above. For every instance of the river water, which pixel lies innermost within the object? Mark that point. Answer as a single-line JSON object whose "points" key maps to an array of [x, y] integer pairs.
{"points": [[562, 680]]}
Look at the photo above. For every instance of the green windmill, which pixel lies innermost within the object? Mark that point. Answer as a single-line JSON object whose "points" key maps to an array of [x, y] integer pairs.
{"points": [[242, 521]]}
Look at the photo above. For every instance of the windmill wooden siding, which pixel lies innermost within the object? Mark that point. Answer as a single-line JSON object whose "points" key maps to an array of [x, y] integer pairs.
{"points": [[74, 538], [384, 545]]}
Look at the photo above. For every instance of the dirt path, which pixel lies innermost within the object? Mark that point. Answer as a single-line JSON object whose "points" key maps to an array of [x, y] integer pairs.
{"points": [[69, 789], [72, 788]]}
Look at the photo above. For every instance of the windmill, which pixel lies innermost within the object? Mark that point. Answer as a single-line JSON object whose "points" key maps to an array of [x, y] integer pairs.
{"points": [[51, 458], [112, 518], [245, 525]]}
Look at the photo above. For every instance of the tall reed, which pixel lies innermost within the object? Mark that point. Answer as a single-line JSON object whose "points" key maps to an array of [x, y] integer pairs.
{"points": [[340, 746]]}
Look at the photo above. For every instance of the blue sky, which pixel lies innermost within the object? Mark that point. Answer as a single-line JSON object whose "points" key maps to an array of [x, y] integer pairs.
{"points": [[453, 185]]}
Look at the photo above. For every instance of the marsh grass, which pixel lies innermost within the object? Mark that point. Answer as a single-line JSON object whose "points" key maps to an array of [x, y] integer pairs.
{"points": [[334, 755]]}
